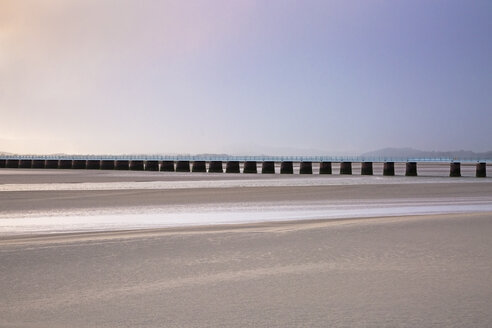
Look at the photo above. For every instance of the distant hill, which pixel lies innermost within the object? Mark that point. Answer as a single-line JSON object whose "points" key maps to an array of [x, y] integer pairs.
{"points": [[415, 153]]}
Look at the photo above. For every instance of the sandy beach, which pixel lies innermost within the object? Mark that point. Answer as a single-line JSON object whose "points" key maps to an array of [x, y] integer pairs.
{"points": [[424, 271], [405, 270]]}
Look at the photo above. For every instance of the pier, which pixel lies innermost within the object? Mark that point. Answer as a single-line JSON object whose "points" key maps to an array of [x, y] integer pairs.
{"points": [[239, 164]]}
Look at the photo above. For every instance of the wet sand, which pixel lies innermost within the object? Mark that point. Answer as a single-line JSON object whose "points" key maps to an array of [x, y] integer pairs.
{"points": [[42, 200], [424, 271]]}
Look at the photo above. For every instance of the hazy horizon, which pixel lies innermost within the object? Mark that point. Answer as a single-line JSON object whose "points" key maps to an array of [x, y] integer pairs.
{"points": [[388, 152], [243, 77]]}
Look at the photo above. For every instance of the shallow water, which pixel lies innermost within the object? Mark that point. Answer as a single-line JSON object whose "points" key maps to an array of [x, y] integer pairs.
{"points": [[251, 182], [209, 214]]}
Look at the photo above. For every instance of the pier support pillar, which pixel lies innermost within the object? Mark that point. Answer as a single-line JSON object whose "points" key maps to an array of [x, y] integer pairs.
{"points": [[455, 169], [199, 166], [151, 165], [232, 167], [121, 165], [12, 163], [268, 167], [183, 166], [107, 164], [136, 165], [167, 166], [411, 169], [93, 164], [481, 170], [346, 168], [366, 168], [250, 167], [79, 164], [38, 164], [389, 168], [65, 164], [306, 168], [325, 168], [51, 164], [215, 167], [286, 168], [25, 164]]}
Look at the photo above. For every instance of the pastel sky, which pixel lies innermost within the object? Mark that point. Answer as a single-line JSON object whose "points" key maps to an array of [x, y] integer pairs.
{"points": [[244, 77]]}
